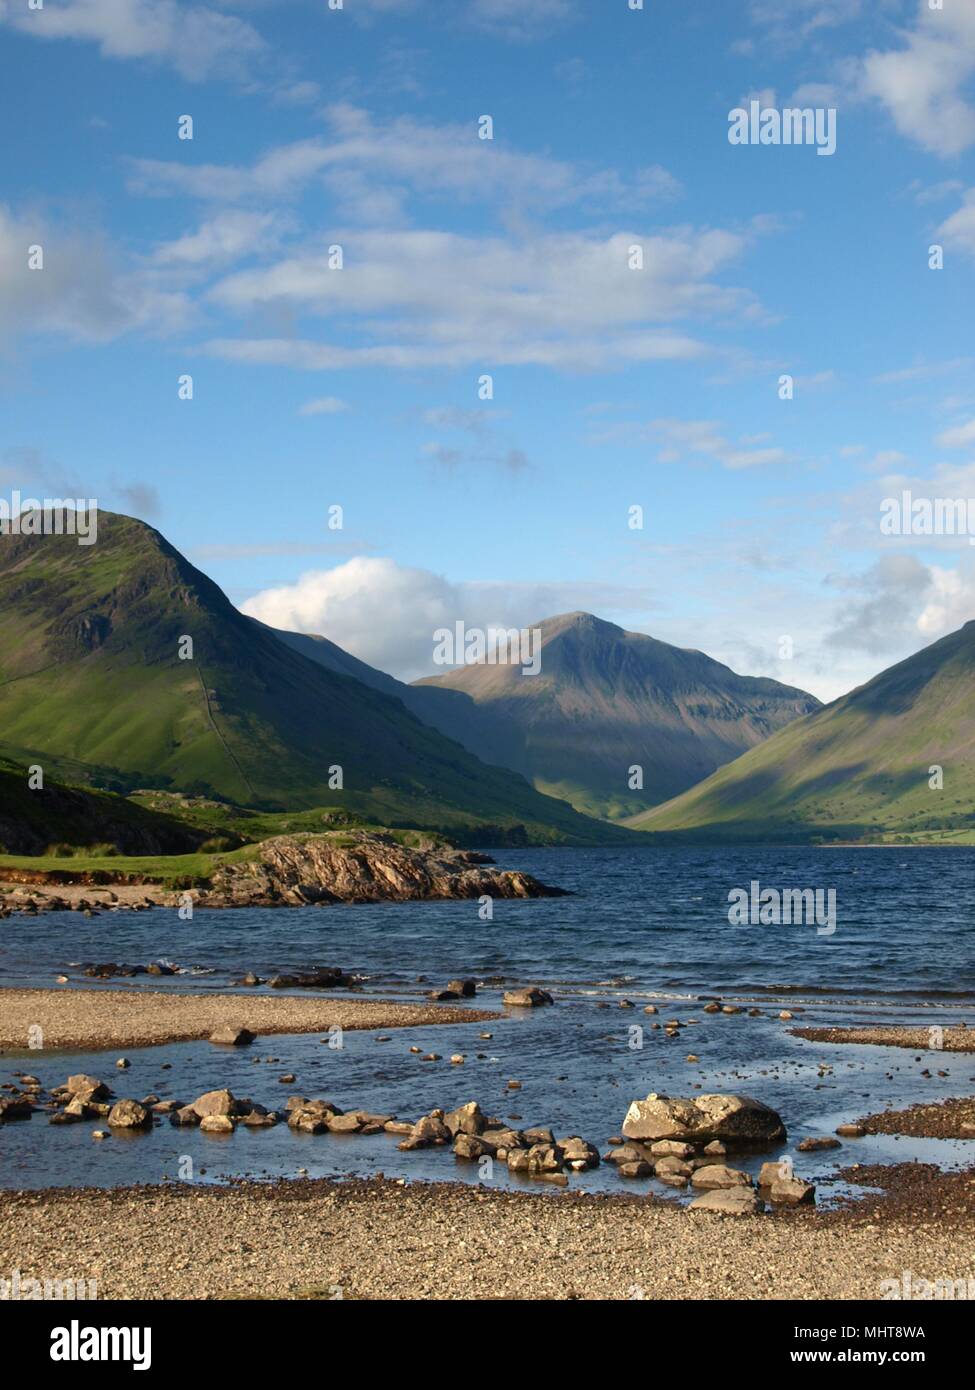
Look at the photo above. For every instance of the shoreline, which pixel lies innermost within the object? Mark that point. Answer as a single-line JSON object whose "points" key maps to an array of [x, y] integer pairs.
{"points": [[133, 1018], [384, 1239]]}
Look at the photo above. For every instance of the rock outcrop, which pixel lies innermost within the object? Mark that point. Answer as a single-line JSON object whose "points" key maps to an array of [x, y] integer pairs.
{"points": [[360, 867]]}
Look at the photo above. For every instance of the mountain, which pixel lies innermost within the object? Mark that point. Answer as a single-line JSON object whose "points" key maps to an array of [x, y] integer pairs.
{"points": [[91, 676], [859, 767], [39, 820], [603, 701]]}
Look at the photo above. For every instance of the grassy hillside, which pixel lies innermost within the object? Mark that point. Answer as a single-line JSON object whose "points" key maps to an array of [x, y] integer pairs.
{"points": [[91, 676], [604, 701], [38, 821], [858, 769]]}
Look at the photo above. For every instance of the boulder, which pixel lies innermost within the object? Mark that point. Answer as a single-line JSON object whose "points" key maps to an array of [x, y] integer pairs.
{"points": [[343, 1124], [465, 988], [129, 1114], [544, 1158], [672, 1167], [671, 1148], [770, 1173], [427, 1130], [214, 1103], [716, 1175], [230, 1036], [184, 1116], [308, 1121], [814, 1145], [578, 1154], [734, 1201], [503, 1140], [792, 1192], [469, 1147], [538, 1135], [527, 998], [637, 1169], [89, 1086], [853, 1131], [217, 1124], [731, 1118], [517, 1160], [15, 1108], [466, 1119]]}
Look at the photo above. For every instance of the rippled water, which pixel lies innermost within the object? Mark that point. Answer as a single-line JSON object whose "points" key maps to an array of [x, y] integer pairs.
{"points": [[641, 925]]}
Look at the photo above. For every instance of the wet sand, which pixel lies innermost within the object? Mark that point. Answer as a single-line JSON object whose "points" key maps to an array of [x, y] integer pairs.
{"points": [[386, 1240], [89, 1019], [951, 1039]]}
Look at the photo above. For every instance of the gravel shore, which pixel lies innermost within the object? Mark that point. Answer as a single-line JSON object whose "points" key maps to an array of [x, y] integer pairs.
{"points": [[946, 1119], [83, 1020], [384, 1240], [950, 1039]]}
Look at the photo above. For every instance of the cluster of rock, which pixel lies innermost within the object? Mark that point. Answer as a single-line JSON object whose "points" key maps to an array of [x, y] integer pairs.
{"points": [[683, 1141], [360, 867], [32, 902], [473, 1135], [109, 969]]}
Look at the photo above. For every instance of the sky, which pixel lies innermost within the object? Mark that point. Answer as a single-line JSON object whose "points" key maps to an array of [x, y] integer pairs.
{"points": [[614, 385]]}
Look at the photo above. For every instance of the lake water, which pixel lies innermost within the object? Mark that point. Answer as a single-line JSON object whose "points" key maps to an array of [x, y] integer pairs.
{"points": [[647, 925]]}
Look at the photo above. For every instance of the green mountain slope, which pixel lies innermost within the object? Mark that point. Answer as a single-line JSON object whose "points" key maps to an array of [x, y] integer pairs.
{"points": [[604, 701], [857, 768], [90, 674]]}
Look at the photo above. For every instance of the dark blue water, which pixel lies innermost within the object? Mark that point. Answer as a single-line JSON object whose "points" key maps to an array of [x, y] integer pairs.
{"points": [[642, 925]]}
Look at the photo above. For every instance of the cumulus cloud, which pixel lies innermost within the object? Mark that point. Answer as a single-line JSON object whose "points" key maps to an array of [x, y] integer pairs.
{"points": [[386, 613], [882, 606], [923, 82], [198, 42]]}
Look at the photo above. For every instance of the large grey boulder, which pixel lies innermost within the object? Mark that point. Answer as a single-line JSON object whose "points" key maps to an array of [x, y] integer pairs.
{"points": [[736, 1118]]}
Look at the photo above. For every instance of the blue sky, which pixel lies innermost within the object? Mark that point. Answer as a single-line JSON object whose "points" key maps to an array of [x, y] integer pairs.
{"points": [[613, 387]]}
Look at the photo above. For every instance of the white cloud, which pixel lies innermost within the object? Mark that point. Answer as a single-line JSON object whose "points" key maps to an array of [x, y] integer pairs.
{"points": [[958, 230], [424, 298], [324, 405], [222, 239], [950, 600], [196, 41], [699, 438], [386, 614], [370, 165], [959, 437], [922, 83], [82, 292]]}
